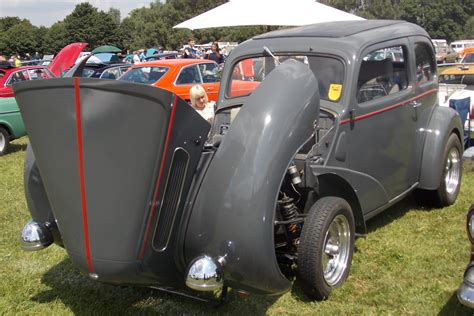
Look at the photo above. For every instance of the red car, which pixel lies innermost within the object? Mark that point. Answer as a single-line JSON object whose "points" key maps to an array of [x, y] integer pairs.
{"points": [[179, 75], [63, 60]]}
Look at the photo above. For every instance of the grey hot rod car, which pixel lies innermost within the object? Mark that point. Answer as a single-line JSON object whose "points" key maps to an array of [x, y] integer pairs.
{"points": [[140, 190]]}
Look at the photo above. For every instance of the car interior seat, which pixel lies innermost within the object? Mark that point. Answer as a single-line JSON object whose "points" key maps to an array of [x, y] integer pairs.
{"points": [[375, 78]]}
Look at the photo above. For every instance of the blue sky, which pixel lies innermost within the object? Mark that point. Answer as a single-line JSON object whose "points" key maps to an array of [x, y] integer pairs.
{"points": [[47, 12]]}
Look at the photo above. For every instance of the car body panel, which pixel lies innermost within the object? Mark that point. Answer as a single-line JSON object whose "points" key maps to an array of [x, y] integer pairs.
{"points": [[10, 117], [85, 128], [246, 189]]}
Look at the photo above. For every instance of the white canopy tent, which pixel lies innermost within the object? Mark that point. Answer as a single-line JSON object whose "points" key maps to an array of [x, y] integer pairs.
{"points": [[267, 12]]}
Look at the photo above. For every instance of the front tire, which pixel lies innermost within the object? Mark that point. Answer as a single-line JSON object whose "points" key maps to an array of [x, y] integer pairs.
{"points": [[4, 141], [326, 247]]}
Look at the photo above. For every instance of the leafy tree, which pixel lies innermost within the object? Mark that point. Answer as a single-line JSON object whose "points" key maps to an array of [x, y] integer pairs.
{"points": [[55, 38], [87, 24], [469, 28], [20, 39], [441, 18], [8, 22], [115, 15]]}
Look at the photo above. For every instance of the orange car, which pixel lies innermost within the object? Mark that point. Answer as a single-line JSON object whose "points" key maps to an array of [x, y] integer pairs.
{"points": [[179, 75]]}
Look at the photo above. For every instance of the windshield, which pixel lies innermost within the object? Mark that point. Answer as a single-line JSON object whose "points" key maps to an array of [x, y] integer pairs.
{"points": [[248, 73], [145, 75]]}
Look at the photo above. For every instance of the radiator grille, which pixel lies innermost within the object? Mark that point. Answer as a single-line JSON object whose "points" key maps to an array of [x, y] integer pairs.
{"points": [[171, 199]]}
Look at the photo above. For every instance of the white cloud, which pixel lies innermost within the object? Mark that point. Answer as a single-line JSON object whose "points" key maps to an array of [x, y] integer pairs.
{"points": [[47, 12]]}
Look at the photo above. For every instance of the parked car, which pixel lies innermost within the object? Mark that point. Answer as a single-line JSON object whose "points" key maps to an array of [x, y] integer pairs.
{"points": [[103, 70], [446, 55], [466, 290], [11, 123], [459, 74], [176, 75], [179, 75], [10, 75], [282, 181], [161, 56]]}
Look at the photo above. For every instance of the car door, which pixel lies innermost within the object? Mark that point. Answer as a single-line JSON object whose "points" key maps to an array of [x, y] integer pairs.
{"points": [[382, 131], [425, 79]]}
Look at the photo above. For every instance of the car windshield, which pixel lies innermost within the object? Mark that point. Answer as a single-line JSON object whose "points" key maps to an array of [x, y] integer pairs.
{"points": [[248, 73], [145, 75]]}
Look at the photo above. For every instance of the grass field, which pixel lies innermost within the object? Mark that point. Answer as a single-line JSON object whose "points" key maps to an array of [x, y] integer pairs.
{"points": [[411, 262]]}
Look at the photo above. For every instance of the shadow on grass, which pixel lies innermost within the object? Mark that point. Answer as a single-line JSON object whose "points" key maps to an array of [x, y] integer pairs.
{"points": [[453, 307], [85, 297], [15, 148]]}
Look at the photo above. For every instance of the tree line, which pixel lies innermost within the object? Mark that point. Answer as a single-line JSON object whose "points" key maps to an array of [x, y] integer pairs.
{"points": [[151, 26]]}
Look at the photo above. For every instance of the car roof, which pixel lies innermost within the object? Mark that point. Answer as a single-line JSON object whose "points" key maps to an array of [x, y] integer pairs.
{"points": [[340, 29], [173, 62]]}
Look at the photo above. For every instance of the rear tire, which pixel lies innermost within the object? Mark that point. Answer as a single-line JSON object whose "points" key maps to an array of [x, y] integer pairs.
{"points": [[326, 247], [4, 141], [451, 175]]}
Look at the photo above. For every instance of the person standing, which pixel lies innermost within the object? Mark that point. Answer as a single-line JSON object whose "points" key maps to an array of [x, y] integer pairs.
{"points": [[190, 51], [16, 60], [200, 102], [136, 58], [215, 54]]}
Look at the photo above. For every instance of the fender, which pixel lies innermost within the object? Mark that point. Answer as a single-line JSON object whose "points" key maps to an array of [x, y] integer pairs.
{"points": [[444, 121], [233, 215]]}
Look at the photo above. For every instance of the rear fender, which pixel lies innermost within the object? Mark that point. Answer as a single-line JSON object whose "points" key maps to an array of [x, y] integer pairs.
{"points": [[233, 215], [443, 123]]}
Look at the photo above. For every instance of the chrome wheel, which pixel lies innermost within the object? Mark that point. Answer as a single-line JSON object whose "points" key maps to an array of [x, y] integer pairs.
{"points": [[3, 142], [336, 249], [452, 171]]}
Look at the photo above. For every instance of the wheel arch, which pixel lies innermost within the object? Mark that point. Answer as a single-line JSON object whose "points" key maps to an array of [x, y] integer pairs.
{"points": [[334, 185], [444, 122]]}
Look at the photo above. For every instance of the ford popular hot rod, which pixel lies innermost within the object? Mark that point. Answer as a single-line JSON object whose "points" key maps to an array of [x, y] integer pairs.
{"points": [[140, 190]]}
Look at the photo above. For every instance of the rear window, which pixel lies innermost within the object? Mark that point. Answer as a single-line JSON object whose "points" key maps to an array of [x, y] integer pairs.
{"points": [[145, 75], [248, 73]]}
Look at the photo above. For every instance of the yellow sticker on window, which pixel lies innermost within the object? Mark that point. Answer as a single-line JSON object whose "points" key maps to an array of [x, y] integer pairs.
{"points": [[334, 91]]}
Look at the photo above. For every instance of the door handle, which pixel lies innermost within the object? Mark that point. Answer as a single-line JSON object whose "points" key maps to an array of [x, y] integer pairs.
{"points": [[415, 104]]}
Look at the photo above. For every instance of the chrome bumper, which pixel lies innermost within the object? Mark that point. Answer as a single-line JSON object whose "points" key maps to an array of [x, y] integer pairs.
{"points": [[466, 295]]}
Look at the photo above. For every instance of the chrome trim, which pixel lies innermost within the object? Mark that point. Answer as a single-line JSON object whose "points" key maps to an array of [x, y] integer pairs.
{"points": [[35, 236], [204, 274], [466, 295]]}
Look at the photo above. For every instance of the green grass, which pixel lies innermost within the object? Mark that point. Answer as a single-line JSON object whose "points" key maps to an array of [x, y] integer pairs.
{"points": [[411, 262]]}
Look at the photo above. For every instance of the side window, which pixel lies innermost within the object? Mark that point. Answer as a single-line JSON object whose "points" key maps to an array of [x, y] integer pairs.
{"points": [[189, 75], [382, 72], [425, 66], [111, 73], [208, 72], [38, 74], [18, 77]]}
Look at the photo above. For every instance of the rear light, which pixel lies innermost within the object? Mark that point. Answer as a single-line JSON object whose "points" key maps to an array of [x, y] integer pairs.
{"points": [[471, 115]]}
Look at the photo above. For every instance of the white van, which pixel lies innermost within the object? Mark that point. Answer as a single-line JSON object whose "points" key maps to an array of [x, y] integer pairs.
{"points": [[458, 46]]}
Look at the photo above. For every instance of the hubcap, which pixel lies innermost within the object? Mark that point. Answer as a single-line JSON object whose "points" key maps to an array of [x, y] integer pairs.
{"points": [[2, 142], [335, 252], [453, 170]]}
